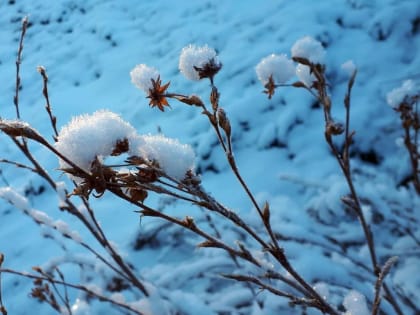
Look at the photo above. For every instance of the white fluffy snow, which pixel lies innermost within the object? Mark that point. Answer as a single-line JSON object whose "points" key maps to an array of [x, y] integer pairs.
{"points": [[174, 158], [309, 48], [196, 56], [87, 136], [279, 67], [142, 75], [304, 74]]}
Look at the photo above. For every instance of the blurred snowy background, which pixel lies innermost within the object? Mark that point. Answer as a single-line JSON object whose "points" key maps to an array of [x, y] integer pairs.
{"points": [[89, 48]]}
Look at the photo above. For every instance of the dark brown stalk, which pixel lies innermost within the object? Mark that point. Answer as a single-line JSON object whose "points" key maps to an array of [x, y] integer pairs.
{"points": [[53, 119], [18, 62], [2, 307], [379, 283]]}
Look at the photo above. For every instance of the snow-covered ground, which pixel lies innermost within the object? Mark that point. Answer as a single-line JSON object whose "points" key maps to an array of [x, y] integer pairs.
{"points": [[89, 48]]}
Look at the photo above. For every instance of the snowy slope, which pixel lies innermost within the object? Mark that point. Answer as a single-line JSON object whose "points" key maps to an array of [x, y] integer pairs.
{"points": [[89, 48]]}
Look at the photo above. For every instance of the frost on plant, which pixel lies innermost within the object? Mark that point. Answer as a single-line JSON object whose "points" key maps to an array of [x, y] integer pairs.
{"points": [[279, 67], [196, 63], [310, 49], [142, 76]]}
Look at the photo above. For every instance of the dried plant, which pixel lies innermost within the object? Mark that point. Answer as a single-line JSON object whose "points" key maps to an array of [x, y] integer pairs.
{"points": [[145, 176]]}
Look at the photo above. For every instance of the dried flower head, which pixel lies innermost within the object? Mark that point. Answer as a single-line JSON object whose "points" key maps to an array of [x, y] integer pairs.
{"points": [[157, 94], [196, 63]]}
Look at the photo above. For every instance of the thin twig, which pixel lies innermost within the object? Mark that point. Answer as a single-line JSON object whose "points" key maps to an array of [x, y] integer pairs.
{"points": [[18, 62]]}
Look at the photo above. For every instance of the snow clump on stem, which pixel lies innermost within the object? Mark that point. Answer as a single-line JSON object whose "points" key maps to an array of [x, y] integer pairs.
{"points": [[174, 158], [279, 67], [196, 63], [397, 95], [142, 75], [88, 137], [310, 49]]}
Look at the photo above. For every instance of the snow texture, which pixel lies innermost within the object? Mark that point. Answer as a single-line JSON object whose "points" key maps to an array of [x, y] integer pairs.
{"points": [[196, 57], [142, 75], [279, 67], [309, 48]]}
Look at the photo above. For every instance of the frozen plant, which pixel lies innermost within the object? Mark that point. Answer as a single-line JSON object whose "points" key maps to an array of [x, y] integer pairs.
{"points": [[280, 68], [196, 62], [142, 76], [404, 100], [163, 166]]}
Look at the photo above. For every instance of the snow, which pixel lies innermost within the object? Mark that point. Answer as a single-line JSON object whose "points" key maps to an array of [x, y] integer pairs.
{"points": [[193, 57], [396, 96], [279, 67], [89, 136], [309, 48], [89, 48], [304, 74], [174, 158], [355, 304], [142, 75]]}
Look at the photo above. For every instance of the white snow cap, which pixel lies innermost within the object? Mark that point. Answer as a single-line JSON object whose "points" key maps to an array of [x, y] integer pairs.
{"points": [[309, 48], [174, 158], [304, 74], [89, 136], [193, 56], [397, 95], [142, 75], [279, 67], [355, 304]]}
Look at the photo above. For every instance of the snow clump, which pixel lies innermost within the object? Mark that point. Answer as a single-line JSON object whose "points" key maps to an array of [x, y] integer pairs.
{"points": [[174, 158], [87, 137], [196, 57], [310, 49], [142, 75], [397, 95], [279, 67], [305, 76], [355, 304]]}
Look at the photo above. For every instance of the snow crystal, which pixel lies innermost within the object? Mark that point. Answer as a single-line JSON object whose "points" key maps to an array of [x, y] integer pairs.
{"points": [[397, 95], [309, 48], [13, 197], [142, 76], [193, 56], [279, 67], [61, 193], [322, 289], [355, 304], [305, 76], [174, 158], [89, 136]]}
